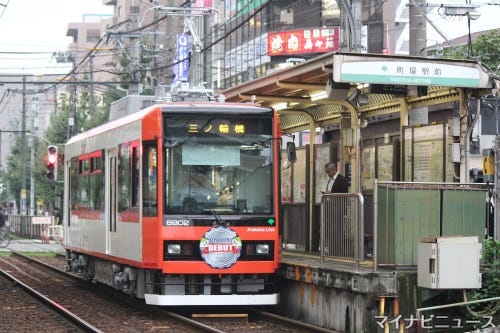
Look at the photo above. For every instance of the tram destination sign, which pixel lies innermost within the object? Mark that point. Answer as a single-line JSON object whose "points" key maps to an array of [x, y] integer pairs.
{"points": [[227, 126], [399, 70]]}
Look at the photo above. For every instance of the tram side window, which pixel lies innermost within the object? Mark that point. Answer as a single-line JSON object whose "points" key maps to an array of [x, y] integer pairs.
{"points": [[124, 178], [135, 176], [96, 184], [73, 183], [150, 180], [128, 177], [83, 195]]}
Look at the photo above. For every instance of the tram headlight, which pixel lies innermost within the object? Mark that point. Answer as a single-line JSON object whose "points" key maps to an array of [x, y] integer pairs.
{"points": [[181, 250], [258, 250], [174, 249], [262, 249]]}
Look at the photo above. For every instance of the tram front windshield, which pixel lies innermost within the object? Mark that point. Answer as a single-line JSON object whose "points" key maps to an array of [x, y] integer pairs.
{"points": [[221, 165]]}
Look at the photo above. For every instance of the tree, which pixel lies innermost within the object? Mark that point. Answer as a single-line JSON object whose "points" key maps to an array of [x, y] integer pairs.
{"points": [[490, 282], [145, 60], [45, 190], [485, 48], [11, 174]]}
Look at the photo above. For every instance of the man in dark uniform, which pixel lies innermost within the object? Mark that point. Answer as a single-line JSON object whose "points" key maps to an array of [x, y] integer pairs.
{"points": [[336, 181]]}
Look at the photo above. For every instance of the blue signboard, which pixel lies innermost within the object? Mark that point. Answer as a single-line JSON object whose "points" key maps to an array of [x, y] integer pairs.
{"points": [[181, 66]]}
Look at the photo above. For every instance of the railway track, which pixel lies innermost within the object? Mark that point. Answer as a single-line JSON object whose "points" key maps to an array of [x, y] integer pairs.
{"points": [[102, 309], [110, 311], [23, 309]]}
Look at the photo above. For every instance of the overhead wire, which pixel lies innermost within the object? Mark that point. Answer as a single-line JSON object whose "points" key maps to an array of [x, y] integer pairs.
{"points": [[77, 70], [77, 67], [4, 6]]}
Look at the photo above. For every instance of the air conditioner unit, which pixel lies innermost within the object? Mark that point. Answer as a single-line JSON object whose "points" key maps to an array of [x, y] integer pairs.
{"points": [[449, 263]]}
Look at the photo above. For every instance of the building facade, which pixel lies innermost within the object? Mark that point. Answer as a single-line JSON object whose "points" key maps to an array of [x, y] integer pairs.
{"points": [[221, 43], [264, 36]]}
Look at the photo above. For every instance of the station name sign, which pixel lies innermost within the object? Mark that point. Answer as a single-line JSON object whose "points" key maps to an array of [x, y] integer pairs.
{"points": [[406, 71]]}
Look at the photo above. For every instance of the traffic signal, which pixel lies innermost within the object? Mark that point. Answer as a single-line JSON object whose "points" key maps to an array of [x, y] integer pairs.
{"points": [[51, 163]]}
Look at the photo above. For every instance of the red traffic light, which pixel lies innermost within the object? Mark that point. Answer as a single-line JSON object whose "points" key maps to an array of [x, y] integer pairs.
{"points": [[51, 162], [52, 159]]}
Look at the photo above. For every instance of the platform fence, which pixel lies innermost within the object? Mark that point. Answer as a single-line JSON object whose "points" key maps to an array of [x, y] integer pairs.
{"points": [[342, 226]]}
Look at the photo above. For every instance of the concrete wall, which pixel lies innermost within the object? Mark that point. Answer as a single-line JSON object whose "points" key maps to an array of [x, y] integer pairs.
{"points": [[332, 308], [346, 300]]}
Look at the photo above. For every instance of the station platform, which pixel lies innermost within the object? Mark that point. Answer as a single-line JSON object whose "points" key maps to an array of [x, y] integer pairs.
{"points": [[313, 259], [348, 275], [342, 295], [33, 245]]}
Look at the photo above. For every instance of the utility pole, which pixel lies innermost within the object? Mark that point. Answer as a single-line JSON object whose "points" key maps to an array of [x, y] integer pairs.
{"points": [[418, 27], [91, 78], [156, 52], [351, 32], [32, 179], [207, 56], [134, 64], [357, 15], [66, 57], [23, 156], [72, 105]]}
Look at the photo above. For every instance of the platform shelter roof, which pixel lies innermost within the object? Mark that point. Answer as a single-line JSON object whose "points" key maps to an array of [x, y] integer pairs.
{"points": [[375, 85]]}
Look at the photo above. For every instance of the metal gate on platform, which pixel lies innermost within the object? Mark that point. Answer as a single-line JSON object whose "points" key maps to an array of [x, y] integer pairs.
{"points": [[342, 226]]}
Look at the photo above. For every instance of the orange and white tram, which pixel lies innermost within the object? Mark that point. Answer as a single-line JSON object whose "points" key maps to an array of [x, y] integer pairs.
{"points": [[178, 204]]}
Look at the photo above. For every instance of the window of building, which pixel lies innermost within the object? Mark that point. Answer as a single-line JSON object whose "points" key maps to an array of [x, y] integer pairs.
{"points": [[93, 35]]}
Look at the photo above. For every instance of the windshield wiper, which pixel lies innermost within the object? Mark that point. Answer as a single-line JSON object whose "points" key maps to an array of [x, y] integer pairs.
{"points": [[260, 145], [218, 220]]}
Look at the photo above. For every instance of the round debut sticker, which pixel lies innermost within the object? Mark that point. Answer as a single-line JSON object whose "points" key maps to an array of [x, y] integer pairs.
{"points": [[220, 247]]}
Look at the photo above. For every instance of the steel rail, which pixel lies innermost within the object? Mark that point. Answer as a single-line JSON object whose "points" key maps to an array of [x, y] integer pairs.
{"points": [[183, 319], [294, 322], [58, 308], [194, 323]]}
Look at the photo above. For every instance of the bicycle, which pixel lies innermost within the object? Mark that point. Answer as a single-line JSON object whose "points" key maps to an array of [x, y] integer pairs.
{"points": [[5, 236]]}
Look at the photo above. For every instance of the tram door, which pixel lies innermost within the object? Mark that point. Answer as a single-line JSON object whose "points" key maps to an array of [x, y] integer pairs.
{"points": [[111, 183]]}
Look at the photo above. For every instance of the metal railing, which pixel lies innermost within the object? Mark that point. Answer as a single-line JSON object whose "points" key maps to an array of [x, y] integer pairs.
{"points": [[24, 226], [342, 226]]}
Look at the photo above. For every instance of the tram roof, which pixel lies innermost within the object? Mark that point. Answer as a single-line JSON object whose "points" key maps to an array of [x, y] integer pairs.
{"points": [[300, 86]]}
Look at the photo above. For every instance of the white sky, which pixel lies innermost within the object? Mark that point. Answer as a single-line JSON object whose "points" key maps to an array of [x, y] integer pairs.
{"points": [[455, 26], [41, 26]]}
